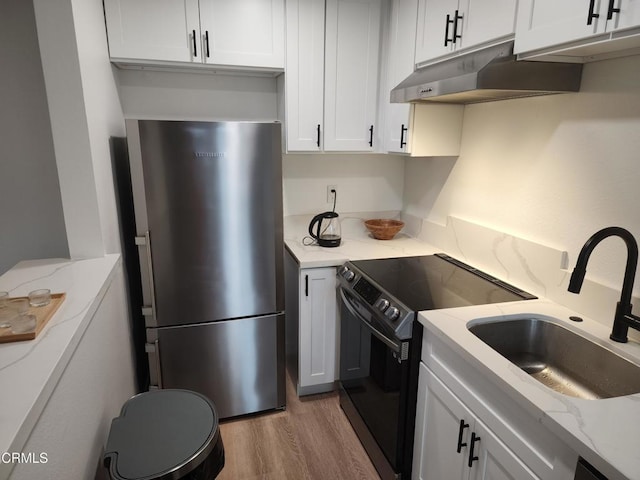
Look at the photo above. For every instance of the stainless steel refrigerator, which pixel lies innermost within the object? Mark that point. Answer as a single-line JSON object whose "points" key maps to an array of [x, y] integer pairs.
{"points": [[208, 210]]}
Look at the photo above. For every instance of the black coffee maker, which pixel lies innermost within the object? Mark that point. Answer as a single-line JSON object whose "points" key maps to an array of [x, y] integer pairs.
{"points": [[325, 229]]}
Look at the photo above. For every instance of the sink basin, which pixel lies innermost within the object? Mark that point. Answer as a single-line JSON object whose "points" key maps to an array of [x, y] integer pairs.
{"points": [[560, 359]]}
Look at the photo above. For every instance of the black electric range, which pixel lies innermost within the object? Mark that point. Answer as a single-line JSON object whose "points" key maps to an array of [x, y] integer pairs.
{"points": [[381, 340]]}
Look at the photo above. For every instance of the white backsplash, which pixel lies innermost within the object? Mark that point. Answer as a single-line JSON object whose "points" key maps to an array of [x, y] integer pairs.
{"points": [[365, 182], [543, 270]]}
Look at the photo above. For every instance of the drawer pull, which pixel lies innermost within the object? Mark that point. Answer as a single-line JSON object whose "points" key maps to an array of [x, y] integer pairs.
{"points": [[460, 433], [474, 439]]}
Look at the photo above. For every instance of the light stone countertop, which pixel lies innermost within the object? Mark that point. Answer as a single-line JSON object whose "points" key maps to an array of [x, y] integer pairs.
{"points": [[357, 243], [604, 432], [30, 370]]}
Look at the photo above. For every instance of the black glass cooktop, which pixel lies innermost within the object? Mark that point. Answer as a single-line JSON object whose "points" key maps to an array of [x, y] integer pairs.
{"points": [[437, 281]]}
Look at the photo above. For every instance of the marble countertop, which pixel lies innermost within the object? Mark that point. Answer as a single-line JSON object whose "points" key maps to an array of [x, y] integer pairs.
{"points": [[357, 243], [604, 432], [30, 370]]}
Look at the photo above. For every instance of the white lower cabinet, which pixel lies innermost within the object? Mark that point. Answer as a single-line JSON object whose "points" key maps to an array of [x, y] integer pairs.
{"points": [[453, 443], [311, 324], [317, 326], [466, 428]]}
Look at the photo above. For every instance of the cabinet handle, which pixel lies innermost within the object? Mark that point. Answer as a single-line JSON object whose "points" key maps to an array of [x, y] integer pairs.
{"points": [[592, 15], [460, 432], [446, 30], [193, 39], [611, 10], [403, 130], [306, 285], [455, 26], [318, 136], [206, 41], [371, 136], [474, 439]]}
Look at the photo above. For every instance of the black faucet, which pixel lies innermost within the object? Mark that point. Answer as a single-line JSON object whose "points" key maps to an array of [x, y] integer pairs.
{"points": [[623, 318]]}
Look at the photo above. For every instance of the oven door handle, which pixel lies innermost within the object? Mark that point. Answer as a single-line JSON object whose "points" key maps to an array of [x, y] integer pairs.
{"points": [[397, 347]]}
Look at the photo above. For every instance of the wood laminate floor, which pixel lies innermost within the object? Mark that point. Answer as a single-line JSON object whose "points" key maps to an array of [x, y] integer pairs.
{"points": [[312, 439]]}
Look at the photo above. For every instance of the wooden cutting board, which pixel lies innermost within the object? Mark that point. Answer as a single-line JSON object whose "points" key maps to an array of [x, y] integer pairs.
{"points": [[42, 314]]}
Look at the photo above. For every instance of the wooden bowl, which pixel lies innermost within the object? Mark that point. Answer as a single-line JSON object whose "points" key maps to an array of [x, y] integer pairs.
{"points": [[384, 228]]}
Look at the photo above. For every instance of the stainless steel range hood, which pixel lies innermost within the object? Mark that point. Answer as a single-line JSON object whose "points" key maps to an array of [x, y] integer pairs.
{"points": [[487, 75]]}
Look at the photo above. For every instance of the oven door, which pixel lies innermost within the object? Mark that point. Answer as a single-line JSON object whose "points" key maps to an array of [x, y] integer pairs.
{"points": [[377, 392]]}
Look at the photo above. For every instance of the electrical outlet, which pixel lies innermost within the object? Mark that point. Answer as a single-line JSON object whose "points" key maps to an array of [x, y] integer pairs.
{"points": [[332, 192]]}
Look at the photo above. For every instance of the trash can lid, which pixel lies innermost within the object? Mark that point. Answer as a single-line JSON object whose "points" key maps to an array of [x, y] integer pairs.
{"points": [[161, 434]]}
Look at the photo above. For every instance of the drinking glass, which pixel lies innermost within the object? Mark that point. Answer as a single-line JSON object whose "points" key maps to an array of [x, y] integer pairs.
{"points": [[40, 298]]}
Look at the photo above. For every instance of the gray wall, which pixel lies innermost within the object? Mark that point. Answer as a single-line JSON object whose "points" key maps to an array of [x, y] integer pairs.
{"points": [[31, 217]]}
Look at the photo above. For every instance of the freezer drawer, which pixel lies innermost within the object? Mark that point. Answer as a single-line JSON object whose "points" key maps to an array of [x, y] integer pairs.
{"points": [[238, 364]]}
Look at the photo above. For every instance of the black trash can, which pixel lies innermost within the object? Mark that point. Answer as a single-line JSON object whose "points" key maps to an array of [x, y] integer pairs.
{"points": [[165, 434]]}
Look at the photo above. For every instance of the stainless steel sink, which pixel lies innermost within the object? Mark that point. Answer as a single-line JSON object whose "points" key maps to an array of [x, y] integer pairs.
{"points": [[561, 359]]}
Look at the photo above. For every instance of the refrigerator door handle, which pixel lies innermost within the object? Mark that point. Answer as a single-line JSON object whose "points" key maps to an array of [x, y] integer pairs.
{"points": [[149, 311], [155, 372]]}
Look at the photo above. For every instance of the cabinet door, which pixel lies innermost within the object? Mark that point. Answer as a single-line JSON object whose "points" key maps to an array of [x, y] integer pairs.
{"points": [[432, 29], [400, 64], [629, 15], [351, 73], [317, 326], [545, 23], [243, 32], [440, 434], [304, 78], [495, 460], [438, 430], [487, 21], [163, 30]]}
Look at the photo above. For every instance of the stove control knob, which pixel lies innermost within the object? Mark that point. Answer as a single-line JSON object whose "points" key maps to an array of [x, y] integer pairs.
{"points": [[347, 274], [382, 304], [392, 314]]}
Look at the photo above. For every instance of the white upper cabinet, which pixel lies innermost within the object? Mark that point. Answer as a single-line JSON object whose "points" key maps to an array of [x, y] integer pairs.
{"points": [[163, 30], [400, 64], [352, 46], [448, 26], [435, 29], [627, 17], [304, 75], [578, 27], [487, 21], [331, 74], [242, 33]]}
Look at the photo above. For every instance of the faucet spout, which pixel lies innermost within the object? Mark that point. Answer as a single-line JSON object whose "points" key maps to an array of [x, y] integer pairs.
{"points": [[623, 317]]}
